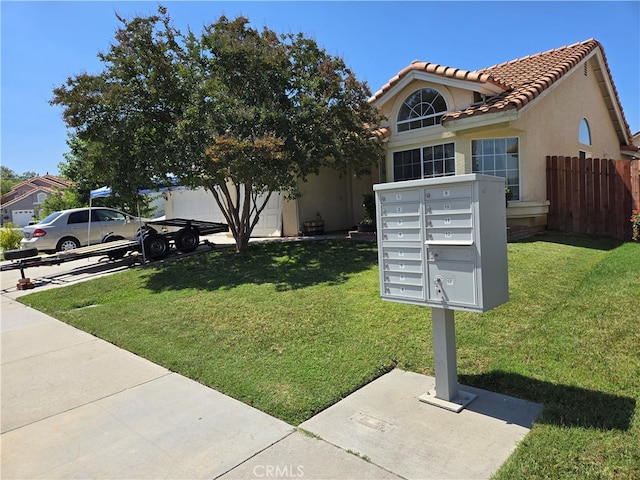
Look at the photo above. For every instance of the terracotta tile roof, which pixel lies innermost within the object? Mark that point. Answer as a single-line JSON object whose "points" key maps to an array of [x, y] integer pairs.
{"points": [[529, 76], [437, 69], [381, 133], [522, 79]]}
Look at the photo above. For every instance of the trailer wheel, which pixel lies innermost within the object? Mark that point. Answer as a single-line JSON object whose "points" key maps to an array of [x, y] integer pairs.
{"points": [[156, 246], [187, 240], [146, 231], [17, 254]]}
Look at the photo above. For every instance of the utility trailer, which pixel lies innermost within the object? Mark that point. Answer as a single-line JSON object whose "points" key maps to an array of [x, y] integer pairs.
{"points": [[152, 244], [186, 238]]}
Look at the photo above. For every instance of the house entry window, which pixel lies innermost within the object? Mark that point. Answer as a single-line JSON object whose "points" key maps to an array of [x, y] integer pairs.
{"points": [[499, 157], [423, 108], [426, 162]]}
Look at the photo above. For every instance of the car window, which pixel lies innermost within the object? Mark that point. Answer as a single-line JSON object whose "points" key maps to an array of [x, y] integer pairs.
{"points": [[110, 215], [51, 217], [78, 217], [82, 217]]}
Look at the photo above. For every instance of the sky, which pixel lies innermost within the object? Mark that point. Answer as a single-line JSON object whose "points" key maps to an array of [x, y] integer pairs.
{"points": [[43, 43]]}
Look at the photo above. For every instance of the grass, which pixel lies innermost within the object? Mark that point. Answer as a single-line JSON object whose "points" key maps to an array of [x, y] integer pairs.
{"points": [[292, 328]]}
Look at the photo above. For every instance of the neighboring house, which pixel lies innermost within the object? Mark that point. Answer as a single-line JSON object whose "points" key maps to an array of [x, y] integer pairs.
{"points": [[21, 205], [504, 120]]}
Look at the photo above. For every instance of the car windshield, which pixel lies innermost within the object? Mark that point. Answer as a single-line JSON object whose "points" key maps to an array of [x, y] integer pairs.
{"points": [[50, 218]]}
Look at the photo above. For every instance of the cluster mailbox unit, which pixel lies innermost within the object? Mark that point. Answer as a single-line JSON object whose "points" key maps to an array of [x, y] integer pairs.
{"points": [[442, 243]]}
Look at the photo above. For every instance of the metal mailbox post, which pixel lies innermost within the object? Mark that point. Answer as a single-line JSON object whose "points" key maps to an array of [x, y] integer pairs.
{"points": [[442, 243]]}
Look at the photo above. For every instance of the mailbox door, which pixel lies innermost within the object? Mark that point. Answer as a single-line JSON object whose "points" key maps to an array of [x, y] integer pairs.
{"points": [[451, 273]]}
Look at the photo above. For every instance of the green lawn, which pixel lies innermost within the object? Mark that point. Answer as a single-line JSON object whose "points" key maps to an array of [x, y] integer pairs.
{"points": [[291, 328]]}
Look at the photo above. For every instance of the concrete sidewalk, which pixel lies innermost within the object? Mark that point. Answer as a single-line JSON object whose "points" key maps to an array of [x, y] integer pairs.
{"points": [[75, 406]]}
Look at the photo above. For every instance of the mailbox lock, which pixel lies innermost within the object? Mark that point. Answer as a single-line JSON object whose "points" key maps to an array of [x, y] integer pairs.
{"points": [[438, 282]]}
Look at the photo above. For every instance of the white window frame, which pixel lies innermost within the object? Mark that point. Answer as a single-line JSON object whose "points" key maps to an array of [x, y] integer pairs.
{"points": [[584, 132], [40, 197], [498, 163], [429, 119], [448, 161]]}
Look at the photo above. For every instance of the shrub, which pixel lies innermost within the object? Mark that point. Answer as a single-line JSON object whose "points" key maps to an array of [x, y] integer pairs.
{"points": [[10, 236], [635, 223]]}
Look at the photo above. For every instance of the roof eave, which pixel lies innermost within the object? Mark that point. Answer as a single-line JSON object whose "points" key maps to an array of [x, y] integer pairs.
{"points": [[482, 119], [486, 86], [611, 98]]}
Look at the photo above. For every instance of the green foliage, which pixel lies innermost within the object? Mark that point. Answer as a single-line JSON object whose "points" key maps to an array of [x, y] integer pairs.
{"points": [[508, 195], [369, 206], [9, 179], [10, 236], [236, 110], [61, 200], [635, 224]]}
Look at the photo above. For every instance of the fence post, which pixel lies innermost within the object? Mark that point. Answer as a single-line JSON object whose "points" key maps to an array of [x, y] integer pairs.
{"points": [[599, 212], [552, 193], [589, 209]]}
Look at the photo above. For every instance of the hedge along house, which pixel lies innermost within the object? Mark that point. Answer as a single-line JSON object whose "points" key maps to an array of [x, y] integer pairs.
{"points": [[503, 120]]}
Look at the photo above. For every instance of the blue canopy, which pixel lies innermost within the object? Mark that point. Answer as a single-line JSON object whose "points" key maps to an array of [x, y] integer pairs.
{"points": [[100, 192], [172, 184]]}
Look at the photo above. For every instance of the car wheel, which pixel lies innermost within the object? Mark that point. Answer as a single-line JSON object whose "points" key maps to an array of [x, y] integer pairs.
{"points": [[156, 246], [187, 240], [67, 243]]}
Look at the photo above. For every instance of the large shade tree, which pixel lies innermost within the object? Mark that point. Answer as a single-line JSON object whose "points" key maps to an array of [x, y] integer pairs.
{"points": [[239, 111]]}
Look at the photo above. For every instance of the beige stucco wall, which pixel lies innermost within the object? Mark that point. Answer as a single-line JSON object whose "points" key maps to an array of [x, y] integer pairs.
{"points": [[335, 197], [324, 195], [552, 126], [548, 126]]}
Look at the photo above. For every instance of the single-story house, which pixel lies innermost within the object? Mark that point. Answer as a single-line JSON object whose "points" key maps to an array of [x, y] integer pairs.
{"points": [[20, 205]]}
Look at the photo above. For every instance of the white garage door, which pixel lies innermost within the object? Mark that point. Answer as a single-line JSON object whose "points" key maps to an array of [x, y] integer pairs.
{"points": [[21, 218], [199, 204]]}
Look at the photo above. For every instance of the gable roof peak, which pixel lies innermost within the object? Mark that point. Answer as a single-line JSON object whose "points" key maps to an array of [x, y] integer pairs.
{"points": [[516, 83], [442, 71]]}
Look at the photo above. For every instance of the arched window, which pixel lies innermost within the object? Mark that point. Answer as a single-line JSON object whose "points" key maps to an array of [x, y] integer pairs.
{"points": [[423, 108], [584, 136]]}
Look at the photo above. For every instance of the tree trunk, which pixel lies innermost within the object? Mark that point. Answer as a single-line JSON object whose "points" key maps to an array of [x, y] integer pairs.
{"points": [[242, 242], [241, 216]]}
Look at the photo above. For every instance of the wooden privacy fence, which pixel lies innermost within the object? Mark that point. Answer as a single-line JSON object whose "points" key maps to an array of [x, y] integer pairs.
{"points": [[592, 196]]}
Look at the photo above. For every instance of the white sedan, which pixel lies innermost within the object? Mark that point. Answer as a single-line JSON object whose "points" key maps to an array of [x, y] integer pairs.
{"points": [[68, 229]]}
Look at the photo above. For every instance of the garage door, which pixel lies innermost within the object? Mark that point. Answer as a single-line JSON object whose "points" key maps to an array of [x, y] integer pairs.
{"points": [[199, 204], [21, 218]]}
